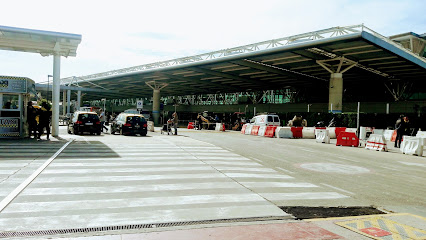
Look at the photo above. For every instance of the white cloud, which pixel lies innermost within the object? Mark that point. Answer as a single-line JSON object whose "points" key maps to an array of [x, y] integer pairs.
{"points": [[119, 34]]}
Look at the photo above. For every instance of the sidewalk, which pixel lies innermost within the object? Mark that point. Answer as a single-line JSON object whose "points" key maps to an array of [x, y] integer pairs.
{"points": [[387, 226]]}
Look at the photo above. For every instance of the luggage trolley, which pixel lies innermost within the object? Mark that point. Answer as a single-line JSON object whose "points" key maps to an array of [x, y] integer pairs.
{"points": [[167, 127]]}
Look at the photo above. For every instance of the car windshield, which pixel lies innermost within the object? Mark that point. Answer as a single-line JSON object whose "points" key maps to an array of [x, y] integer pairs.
{"points": [[88, 116]]}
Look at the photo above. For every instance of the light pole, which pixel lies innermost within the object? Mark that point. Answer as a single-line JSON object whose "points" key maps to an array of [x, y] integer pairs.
{"points": [[48, 82]]}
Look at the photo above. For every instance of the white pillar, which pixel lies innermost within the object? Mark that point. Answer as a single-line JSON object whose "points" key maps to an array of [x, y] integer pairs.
{"points": [[68, 101], [78, 100], [336, 92], [55, 94]]}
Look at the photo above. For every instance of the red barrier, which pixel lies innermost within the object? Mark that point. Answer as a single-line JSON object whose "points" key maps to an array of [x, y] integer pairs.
{"points": [[191, 125], [297, 132], [338, 130], [393, 138], [270, 131], [347, 139], [255, 130], [243, 129]]}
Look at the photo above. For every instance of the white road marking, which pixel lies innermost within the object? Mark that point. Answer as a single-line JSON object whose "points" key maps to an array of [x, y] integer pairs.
{"points": [[253, 175], [27, 181], [285, 170], [302, 196], [338, 189], [277, 185], [414, 164]]}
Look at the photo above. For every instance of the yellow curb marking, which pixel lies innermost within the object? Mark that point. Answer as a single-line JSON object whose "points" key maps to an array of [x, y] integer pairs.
{"points": [[383, 223]]}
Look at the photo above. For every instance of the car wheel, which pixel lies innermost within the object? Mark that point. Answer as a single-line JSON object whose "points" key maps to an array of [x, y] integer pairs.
{"points": [[98, 133], [69, 131]]}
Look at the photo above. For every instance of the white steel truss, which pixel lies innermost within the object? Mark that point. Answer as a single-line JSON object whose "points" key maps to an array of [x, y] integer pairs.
{"points": [[321, 34]]}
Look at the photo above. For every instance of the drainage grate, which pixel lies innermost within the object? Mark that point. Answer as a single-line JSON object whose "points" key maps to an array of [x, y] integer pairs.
{"points": [[132, 227]]}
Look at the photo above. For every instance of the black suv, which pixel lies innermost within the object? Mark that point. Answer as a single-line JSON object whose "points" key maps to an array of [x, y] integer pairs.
{"points": [[129, 123], [84, 122]]}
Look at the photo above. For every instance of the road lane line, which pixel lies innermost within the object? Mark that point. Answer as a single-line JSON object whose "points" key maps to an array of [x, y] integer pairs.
{"points": [[24, 184], [338, 189], [284, 170]]}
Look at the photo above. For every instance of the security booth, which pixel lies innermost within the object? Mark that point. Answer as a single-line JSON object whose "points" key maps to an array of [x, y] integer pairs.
{"points": [[14, 95]]}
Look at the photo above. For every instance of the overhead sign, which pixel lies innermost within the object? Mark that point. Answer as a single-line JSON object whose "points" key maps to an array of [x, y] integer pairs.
{"points": [[139, 104], [13, 85]]}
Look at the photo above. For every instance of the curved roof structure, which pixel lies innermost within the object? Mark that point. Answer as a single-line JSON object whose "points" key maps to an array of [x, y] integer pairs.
{"points": [[37, 41], [301, 61]]}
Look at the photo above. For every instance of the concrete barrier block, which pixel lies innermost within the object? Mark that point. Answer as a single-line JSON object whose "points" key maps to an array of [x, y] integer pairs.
{"points": [[284, 132], [262, 130], [332, 132], [248, 129], [388, 134], [308, 132]]}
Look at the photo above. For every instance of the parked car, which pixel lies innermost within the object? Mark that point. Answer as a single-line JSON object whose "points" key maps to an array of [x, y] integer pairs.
{"points": [[82, 121], [129, 123]]}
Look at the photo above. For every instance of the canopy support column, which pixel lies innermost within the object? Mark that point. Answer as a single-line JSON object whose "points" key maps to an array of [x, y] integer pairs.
{"points": [[156, 87], [335, 90], [68, 101], [78, 100], [64, 102], [56, 93]]}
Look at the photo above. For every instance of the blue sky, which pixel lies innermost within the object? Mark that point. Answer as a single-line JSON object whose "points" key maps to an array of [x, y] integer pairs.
{"points": [[120, 34]]}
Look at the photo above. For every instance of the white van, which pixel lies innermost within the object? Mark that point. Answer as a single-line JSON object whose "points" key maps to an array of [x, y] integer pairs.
{"points": [[266, 119]]}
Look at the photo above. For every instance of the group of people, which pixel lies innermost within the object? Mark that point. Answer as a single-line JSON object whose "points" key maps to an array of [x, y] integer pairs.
{"points": [[44, 114]]}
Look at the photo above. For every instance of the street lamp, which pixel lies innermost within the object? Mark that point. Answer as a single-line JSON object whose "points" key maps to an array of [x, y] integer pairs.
{"points": [[48, 82]]}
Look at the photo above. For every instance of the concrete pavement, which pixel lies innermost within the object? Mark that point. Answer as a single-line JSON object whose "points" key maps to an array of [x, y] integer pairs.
{"points": [[124, 180]]}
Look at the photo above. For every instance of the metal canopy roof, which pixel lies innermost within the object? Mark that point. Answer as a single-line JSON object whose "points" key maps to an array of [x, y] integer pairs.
{"points": [[290, 62], [44, 42]]}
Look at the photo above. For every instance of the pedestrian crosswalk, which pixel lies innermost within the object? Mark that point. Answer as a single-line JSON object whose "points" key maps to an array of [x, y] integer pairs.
{"points": [[152, 180]]}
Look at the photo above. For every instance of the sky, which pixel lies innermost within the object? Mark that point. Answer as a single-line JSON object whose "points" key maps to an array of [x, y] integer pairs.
{"points": [[127, 33]]}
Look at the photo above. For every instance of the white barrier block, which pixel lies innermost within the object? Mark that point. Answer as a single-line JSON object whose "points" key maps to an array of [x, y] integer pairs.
{"points": [[422, 134], [379, 131], [248, 129], [354, 130], [412, 146], [331, 132], [219, 127], [284, 132], [150, 126], [262, 130], [376, 142], [322, 136], [308, 132], [404, 140], [388, 134]]}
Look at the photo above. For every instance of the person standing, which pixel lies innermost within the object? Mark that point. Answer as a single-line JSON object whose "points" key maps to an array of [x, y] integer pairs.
{"points": [[31, 119], [175, 121], [102, 119], [44, 119], [402, 127]]}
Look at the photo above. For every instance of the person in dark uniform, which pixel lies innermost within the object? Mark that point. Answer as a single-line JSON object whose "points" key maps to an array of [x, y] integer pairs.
{"points": [[402, 127], [31, 119], [44, 119]]}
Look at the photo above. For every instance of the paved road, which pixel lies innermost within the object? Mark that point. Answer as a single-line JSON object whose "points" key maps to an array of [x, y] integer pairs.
{"points": [[388, 180], [120, 180]]}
